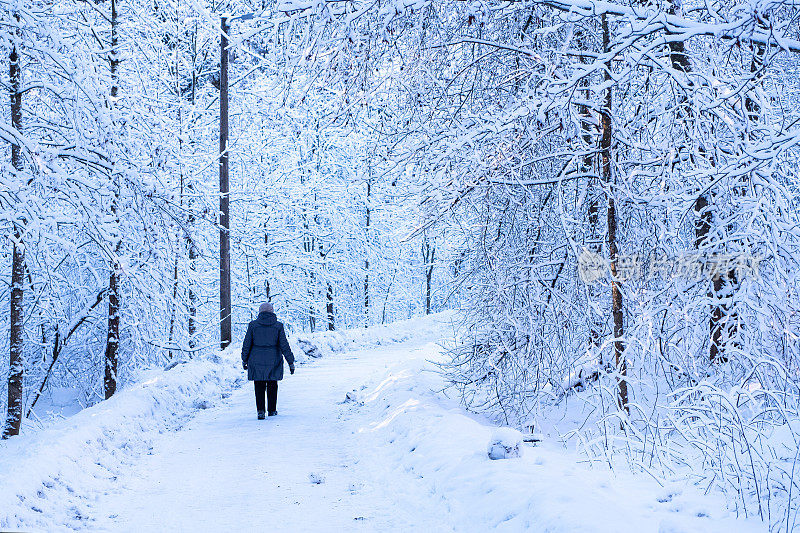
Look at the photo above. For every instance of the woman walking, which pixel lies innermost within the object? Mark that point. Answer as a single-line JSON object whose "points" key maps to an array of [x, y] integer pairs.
{"points": [[264, 348]]}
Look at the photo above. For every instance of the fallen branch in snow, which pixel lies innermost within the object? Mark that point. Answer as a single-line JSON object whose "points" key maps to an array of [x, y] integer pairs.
{"points": [[58, 346]]}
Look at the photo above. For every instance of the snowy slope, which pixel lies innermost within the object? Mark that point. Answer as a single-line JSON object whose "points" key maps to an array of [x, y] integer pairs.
{"points": [[363, 442], [547, 489]]}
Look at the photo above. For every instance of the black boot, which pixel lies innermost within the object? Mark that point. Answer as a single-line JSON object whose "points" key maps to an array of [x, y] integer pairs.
{"points": [[273, 413], [261, 415]]}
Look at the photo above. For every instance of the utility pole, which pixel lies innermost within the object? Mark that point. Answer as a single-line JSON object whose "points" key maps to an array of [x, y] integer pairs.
{"points": [[225, 307], [225, 335]]}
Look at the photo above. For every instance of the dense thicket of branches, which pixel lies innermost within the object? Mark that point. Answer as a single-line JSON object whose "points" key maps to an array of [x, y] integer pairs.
{"points": [[656, 140]]}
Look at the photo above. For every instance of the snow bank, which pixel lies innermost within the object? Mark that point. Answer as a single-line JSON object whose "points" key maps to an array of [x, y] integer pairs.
{"points": [[534, 488], [82, 453]]}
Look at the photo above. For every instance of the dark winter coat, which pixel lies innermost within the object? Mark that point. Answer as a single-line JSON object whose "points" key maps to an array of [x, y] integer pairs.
{"points": [[264, 343]]}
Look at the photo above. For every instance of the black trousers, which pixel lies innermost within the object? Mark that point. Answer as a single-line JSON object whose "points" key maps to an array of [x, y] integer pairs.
{"points": [[271, 388]]}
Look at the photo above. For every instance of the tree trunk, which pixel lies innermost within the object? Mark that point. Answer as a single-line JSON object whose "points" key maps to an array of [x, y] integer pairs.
{"points": [[388, 293], [702, 207], [17, 316], [593, 237], [428, 254], [329, 307], [225, 307], [308, 246], [617, 310], [16, 330], [16, 336], [192, 326], [112, 338], [366, 252], [174, 307], [192, 323]]}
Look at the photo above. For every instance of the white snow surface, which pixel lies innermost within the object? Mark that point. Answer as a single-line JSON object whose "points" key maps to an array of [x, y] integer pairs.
{"points": [[364, 441]]}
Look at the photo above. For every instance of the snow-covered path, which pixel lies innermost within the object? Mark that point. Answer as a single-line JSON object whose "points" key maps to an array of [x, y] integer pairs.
{"points": [[227, 471]]}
